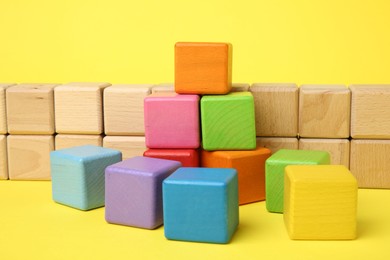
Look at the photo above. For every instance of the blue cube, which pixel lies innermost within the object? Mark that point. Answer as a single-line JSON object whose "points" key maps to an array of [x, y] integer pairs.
{"points": [[78, 175], [201, 204]]}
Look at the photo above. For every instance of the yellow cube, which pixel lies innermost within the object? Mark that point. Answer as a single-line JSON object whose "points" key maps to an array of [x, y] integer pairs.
{"points": [[320, 202]]}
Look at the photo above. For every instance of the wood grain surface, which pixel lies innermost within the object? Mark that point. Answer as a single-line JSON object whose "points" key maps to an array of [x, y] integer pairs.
{"points": [[3, 158], [130, 146], [66, 141]]}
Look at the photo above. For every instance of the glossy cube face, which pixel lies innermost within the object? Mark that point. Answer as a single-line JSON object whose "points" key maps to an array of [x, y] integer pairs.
{"points": [[228, 122], [172, 121], [187, 157], [78, 175], [203, 68], [134, 191], [201, 205]]}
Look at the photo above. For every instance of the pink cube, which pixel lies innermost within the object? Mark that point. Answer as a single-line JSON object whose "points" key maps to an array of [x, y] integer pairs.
{"points": [[172, 121]]}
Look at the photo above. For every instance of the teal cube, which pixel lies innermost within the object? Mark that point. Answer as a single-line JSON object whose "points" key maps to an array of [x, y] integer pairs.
{"points": [[201, 204], [78, 175], [274, 173], [228, 121]]}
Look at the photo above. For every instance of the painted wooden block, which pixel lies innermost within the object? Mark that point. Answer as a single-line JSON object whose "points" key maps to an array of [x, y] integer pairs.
{"points": [[201, 205], [163, 88], [276, 109], [130, 146], [370, 163], [134, 191], [172, 121], [3, 113], [250, 166], [370, 111], [337, 148], [320, 202], [63, 141], [3, 158], [29, 156], [124, 109], [228, 122], [324, 111], [78, 175], [240, 87], [203, 68], [187, 157], [274, 173], [277, 143], [78, 108], [30, 109]]}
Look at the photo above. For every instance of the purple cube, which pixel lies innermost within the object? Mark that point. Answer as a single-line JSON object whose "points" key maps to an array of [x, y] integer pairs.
{"points": [[134, 191]]}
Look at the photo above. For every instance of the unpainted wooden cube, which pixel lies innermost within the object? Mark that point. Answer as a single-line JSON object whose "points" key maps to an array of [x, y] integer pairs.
{"points": [[370, 111], [163, 88], [277, 143], [130, 146], [3, 113], [124, 109], [324, 111], [370, 163], [79, 108], [276, 109], [66, 141], [3, 158], [29, 156]]}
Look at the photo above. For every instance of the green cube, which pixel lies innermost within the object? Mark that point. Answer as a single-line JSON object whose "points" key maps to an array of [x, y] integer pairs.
{"points": [[274, 173], [228, 121]]}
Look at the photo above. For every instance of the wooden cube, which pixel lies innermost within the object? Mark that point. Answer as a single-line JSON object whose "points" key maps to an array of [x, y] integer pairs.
{"points": [[124, 109], [3, 113], [370, 163], [29, 156], [277, 143], [240, 87], [320, 202], [130, 146], [79, 108], [187, 157], [228, 122], [203, 68], [370, 111], [163, 88], [276, 109], [250, 166], [337, 148], [3, 158], [324, 111], [274, 173], [133, 195], [67, 141]]}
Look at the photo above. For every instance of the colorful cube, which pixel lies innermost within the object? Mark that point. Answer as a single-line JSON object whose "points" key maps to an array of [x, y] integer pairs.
{"points": [[78, 175], [187, 157], [250, 166], [172, 121], [320, 202], [228, 122], [134, 191], [201, 205], [274, 173]]}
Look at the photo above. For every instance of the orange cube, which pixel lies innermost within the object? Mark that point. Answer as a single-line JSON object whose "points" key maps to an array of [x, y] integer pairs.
{"points": [[250, 166], [203, 68]]}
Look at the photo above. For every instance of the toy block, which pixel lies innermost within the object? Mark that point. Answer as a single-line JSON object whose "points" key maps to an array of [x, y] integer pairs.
{"points": [[3, 158], [277, 143], [172, 121], [29, 156], [324, 111], [30, 109], [134, 191], [203, 68], [250, 166], [78, 175], [201, 205], [78, 108], [63, 141], [276, 109], [370, 163], [274, 173], [370, 111], [124, 109], [228, 121], [240, 87], [337, 148], [320, 202], [130, 146], [3, 113], [187, 157], [163, 88]]}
